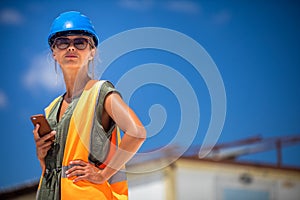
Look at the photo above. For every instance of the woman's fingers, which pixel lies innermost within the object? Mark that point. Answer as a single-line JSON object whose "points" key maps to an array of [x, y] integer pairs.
{"points": [[35, 132], [43, 144], [43, 138], [84, 171], [76, 170]]}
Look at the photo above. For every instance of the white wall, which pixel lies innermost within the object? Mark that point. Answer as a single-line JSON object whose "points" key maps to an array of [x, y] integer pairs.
{"points": [[155, 190], [194, 184], [147, 186]]}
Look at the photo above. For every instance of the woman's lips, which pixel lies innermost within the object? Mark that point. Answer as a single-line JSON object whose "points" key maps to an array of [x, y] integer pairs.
{"points": [[71, 56]]}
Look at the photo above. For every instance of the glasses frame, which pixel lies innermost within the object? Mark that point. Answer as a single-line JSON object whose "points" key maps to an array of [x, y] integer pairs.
{"points": [[72, 41]]}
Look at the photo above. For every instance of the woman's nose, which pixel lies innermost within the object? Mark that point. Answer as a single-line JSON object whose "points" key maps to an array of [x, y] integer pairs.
{"points": [[71, 47]]}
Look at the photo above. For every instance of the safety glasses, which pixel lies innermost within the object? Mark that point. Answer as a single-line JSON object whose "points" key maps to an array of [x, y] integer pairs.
{"points": [[63, 43]]}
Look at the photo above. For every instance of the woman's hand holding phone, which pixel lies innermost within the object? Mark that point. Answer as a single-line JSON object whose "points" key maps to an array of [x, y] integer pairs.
{"points": [[44, 125], [43, 136]]}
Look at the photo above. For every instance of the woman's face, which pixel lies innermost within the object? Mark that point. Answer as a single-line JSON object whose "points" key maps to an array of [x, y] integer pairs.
{"points": [[73, 51]]}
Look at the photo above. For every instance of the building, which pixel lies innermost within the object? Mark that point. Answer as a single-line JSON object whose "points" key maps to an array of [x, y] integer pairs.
{"points": [[219, 176], [195, 179]]}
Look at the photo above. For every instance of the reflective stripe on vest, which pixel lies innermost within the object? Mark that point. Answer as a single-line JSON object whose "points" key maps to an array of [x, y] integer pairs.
{"points": [[77, 147]]}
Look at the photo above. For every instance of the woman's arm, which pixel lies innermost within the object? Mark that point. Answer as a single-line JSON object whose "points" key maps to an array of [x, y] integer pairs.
{"points": [[135, 133]]}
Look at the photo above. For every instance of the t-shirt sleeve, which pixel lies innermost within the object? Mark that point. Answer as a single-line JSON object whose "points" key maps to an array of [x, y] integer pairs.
{"points": [[106, 89]]}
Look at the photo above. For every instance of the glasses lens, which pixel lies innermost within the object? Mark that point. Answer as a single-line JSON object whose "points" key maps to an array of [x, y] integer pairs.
{"points": [[80, 43], [62, 43]]}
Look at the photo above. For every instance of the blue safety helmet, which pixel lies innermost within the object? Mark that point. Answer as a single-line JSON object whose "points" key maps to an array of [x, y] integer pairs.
{"points": [[72, 23]]}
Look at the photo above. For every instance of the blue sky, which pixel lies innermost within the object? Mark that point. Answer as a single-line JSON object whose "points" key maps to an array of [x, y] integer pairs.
{"points": [[254, 44]]}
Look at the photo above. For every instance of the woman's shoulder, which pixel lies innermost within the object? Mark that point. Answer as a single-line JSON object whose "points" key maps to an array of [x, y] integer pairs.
{"points": [[106, 88], [97, 83]]}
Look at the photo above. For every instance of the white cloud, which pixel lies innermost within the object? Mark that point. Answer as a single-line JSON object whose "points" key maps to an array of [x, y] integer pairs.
{"points": [[183, 6], [222, 17], [189, 7], [11, 17], [41, 74], [139, 5], [3, 99]]}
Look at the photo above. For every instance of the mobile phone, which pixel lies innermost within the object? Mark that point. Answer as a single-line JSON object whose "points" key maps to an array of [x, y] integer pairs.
{"points": [[44, 125]]}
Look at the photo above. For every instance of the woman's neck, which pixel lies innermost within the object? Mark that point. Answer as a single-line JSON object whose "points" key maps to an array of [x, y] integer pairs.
{"points": [[75, 81]]}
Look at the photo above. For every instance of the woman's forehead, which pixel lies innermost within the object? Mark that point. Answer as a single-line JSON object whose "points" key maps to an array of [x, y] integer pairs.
{"points": [[75, 36]]}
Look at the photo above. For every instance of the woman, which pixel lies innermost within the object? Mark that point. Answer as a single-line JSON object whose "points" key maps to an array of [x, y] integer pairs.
{"points": [[83, 161]]}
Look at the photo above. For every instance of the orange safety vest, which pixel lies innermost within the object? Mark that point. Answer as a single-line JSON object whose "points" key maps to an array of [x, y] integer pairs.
{"points": [[77, 148]]}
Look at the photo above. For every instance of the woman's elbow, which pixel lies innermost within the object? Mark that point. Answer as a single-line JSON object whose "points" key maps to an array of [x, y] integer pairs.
{"points": [[142, 133], [139, 132]]}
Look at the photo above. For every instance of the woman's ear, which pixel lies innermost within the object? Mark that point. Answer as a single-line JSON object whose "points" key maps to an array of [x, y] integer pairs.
{"points": [[92, 55], [53, 55]]}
